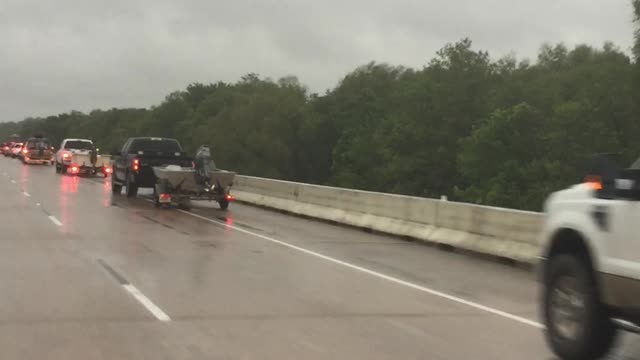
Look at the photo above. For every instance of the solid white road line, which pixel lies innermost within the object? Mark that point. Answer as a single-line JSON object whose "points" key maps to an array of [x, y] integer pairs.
{"points": [[13, 181], [55, 220], [414, 286], [153, 309], [26, 194]]}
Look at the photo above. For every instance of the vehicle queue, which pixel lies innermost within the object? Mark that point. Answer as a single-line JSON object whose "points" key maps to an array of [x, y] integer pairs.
{"points": [[143, 162]]}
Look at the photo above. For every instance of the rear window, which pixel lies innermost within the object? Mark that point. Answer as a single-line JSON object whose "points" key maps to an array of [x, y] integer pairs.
{"points": [[38, 144], [78, 145], [17, 145], [155, 146]]}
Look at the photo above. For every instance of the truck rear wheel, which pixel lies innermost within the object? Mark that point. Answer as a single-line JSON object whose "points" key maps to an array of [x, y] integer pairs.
{"points": [[132, 188], [115, 187], [578, 324]]}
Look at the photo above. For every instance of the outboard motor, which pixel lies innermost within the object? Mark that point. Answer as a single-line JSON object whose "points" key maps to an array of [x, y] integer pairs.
{"points": [[40, 146], [93, 155], [202, 164]]}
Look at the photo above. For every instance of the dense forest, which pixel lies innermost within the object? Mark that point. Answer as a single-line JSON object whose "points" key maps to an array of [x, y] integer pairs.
{"points": [[491, 131]]}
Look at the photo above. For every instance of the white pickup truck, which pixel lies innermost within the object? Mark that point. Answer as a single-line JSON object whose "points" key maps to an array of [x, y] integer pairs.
{"points": [[80, 156], [590, 265]]}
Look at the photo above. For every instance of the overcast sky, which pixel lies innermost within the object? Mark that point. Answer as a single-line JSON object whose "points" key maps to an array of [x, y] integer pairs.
{"points": [[59, 55]]}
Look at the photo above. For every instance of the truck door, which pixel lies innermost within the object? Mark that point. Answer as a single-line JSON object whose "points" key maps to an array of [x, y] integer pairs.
{"points": [[624, 243], [120, 163], [624, 225]]}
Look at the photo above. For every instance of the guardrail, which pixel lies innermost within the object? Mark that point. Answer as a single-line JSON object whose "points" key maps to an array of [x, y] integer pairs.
{"points": [[495, 231]]}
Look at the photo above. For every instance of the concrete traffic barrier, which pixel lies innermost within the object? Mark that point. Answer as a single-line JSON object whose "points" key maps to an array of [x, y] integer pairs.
{"points": [[495, 231]]}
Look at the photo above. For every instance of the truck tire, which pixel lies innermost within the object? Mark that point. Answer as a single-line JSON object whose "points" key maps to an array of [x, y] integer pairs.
{"points": [[132, 188], [58, 171], [115, 187], [578, 324], [224, 204], [63, 169]]}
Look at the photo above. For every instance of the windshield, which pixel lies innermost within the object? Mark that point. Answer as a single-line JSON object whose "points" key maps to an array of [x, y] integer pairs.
{"points": [[78, 145], [155, 145]]}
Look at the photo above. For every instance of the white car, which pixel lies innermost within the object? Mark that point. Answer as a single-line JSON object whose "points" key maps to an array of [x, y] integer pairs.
{"points": [[15, 150], [80, 156], [590, 265]]}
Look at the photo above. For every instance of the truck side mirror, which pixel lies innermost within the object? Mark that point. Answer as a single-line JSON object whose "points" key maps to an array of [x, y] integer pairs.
{"points": [[627, 185]]}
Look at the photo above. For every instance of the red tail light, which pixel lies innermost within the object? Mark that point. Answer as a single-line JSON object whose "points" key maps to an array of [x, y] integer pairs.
{"points": [[65, 155], [74, 169], [136, 164], [107, 170], [25, 151], [165, 196], [594, 182], [230, 197]]}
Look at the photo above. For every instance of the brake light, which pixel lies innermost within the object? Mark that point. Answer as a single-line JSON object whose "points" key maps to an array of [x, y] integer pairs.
{"points": [[25, 151], [136, 164], [65, 155], [74, 169], [230, 197], [594, 182], [107, 170]]}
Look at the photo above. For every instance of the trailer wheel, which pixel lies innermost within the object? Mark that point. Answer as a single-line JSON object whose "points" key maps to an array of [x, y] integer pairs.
{"points": [[184, 204], [224, 204]]}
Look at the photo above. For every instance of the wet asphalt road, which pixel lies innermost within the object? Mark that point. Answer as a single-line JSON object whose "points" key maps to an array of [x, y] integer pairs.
{"points": [[87, 275]]}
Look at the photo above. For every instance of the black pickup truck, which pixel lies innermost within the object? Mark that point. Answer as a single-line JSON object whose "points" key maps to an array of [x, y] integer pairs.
{"points": [[132, 166]]}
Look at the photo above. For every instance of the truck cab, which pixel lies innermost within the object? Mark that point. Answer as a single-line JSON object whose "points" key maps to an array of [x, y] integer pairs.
{"points": [[590, 261]]}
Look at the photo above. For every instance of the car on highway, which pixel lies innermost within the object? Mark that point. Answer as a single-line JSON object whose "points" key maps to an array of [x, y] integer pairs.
{"points": [[4, 149], [590, 264], [132, 166], [37, 150], [80, 156], [14, 152], [7, 149]]}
